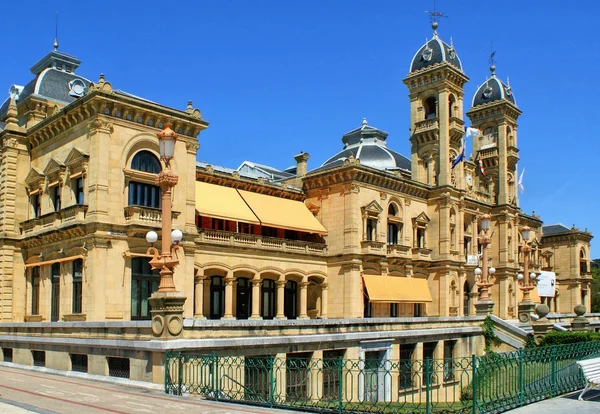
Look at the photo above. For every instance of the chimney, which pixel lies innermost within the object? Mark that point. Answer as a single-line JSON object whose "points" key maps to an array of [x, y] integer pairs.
{"points": [[301, 160]]}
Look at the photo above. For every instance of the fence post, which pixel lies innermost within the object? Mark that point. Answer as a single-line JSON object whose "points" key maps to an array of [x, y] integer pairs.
{"points": [[179, 373], [167, 357], [427, 372], [554, 385], [340, 362], [521, 356], [474, 383], [271, 380]]}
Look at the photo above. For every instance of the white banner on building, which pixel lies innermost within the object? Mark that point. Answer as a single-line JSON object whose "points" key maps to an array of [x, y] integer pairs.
{"points": [[546, 284], [472, 260]]}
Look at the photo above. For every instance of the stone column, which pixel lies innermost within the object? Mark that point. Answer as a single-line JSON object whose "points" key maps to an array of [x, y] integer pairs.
{"points": [[199, 296], [503, 194], [256, 283], [303, 299], [228, 296], [324, 299], [444, 139], [280, 311]]}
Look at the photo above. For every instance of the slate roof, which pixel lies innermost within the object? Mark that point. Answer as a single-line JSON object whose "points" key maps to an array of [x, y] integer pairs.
{"points": [[554, 229], [493, 90], [368, 144], [432, 52]]}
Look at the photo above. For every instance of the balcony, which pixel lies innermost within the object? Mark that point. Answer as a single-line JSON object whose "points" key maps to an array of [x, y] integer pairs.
{"points": [[456, 128], [255, 241], [427, 130], [398, 251], [146, 216], [512, 156], [372, 247], [419, 253], [67, 216]]}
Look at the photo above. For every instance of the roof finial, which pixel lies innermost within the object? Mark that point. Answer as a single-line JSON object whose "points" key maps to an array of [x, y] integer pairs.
{"points": [[56, 33], [451, 43], [364, 122], [434, 17], [507, 81], [492, 59]]}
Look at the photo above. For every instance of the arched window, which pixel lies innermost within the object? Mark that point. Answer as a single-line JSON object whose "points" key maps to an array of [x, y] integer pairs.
{"points": [[268, 299], [430, 107], [243, 298], [144, 194], [466, 299], [144, 282], [145, 161], [583, 266], [77, 285], [55, 299], [291, 299], [395, 225], [451, 104], [217, 297]]}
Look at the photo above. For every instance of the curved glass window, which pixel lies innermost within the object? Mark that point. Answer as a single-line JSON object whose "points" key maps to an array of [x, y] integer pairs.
{"points": [[145, 161]]}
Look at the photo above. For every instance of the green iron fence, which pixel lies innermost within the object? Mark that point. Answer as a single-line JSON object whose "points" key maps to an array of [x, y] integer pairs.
{"points": [[491, 383]]}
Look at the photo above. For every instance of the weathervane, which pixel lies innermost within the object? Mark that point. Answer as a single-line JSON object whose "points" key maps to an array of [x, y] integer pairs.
{"points": [[434, 17], [492, 59]]}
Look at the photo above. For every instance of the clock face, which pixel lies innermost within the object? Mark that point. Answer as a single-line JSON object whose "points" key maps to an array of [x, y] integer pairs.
{"points": [[469, 180]]}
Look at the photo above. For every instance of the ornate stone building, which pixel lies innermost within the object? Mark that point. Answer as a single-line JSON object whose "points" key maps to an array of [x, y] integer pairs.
{"points": [[370, 238]]}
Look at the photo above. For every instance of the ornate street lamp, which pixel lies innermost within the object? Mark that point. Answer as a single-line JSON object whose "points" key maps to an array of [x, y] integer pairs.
{"points": [[526, 280], [484, 304], [166, 303]]}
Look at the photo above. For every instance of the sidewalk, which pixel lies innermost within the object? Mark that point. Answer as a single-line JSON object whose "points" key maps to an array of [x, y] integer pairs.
{"points": [[565, 404]]}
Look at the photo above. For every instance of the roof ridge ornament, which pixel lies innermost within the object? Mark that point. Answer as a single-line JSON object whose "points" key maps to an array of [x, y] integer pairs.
{"points": [[364, 123], [434, 18], [56, 33], [492, 60]]}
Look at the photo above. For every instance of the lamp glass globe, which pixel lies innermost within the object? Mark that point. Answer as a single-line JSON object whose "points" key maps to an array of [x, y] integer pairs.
{"points": [[532, 275], [477, 271], [176, 236], [151, 237], [492, 270], [520, 276]]}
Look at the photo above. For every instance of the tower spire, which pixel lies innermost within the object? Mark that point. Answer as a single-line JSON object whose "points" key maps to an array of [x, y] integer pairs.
{"points": [[56, 32], [492, 59]]}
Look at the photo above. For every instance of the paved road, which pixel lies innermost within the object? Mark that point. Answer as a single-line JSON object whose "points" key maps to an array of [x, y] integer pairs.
{"points": [[565, 404], [38, 392]]}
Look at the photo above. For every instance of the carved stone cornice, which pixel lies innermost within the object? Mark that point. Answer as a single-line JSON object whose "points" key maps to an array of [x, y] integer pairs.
{"points": [[100, 125], [495, 110]]}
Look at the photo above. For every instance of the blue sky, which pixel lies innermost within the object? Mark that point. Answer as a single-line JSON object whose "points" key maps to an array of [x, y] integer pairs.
{"points": [[274, 78]]}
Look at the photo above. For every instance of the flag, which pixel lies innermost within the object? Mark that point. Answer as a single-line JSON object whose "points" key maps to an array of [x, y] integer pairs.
{"points": [[480, 163], [520, 184], [473, 132], [461, 156]]}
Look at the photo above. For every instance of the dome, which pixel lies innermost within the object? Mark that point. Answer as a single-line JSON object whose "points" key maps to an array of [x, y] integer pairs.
{"points": [[435, 51], [493, 90], [368, 145]]}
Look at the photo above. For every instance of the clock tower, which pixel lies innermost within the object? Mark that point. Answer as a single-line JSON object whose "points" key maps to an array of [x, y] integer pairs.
{"points": [[435, 83], [494, 112]]}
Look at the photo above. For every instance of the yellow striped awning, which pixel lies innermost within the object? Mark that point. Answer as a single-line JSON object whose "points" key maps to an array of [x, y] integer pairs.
{"points": [[222, 202], [392, 289], [282, 213]]}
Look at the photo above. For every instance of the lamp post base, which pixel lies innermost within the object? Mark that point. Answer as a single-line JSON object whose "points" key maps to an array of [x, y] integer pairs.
{"points": [[525, 309], [484, 307], [167, 314]]}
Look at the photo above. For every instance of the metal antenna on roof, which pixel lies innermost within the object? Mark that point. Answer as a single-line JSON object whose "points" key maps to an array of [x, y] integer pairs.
{"points": [[56, 32], [492, 59], [434, 17]]}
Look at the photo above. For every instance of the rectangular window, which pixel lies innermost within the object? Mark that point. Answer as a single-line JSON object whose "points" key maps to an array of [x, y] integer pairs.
{"points": [[245, 228], [417, 310], [393, 310], [298, 376], [118, 367], [35, 204], [368, 307], [257, 377], [428, 352], [371, 229], [144, 282], [79, 362], [333, 373], [78, 190], [449, 360], [406, 365], [144, 195], [55, 194], [421, 238], [8, 354], [467, 245], [39, 358], [55, 299], [77, 285], [35, 290], [392, 234]]}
